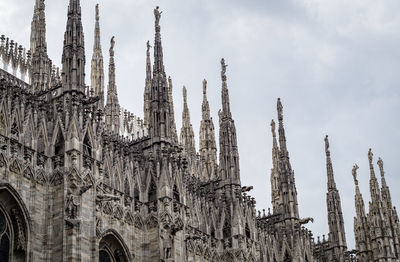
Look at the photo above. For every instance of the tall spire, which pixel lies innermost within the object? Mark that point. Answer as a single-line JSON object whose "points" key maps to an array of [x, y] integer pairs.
{"points": [[287, 186], [159, 110], [187, 134], [207, 144], [112, 109], [337, 234], [226, 111], [329, 168], [387, 200], [174, 134], [373, 182], [73, 57], [229, 155], [147, 86], [97, 66], [41, 64], [359, 201], [275, 199], [281, 129]]}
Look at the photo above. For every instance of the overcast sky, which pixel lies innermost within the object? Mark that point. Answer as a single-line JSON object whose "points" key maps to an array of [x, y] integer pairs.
{"points": [[334, 64]]}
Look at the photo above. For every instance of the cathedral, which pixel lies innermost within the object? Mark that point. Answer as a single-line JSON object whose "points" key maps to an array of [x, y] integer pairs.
{"points": [[82, 179]]}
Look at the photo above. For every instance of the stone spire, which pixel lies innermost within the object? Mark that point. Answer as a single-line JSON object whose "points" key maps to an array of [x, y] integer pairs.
{"points": [[147, 86], [360, 222], [97, 66], [73, 57], [112, 109], [187, 134], [373, 182], [229, 155], [207, 144], [337, 236], [275, 199], [41, 64], [287, 186], [159, 110], [390, 225], [385, 192], [174, 134]]}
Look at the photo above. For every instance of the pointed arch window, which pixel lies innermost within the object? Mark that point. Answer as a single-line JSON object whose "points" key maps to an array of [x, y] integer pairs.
{"points": [[247, 231], [136, 193], [127, 189], [87, 146], [41, 146], [59, 146], [152, 191]]}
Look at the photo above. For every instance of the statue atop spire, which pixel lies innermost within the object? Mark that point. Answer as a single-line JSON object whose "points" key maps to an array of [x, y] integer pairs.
{"points": [[97, 64], [207, 144], [112, 108], [157, 15], [354, 173]]}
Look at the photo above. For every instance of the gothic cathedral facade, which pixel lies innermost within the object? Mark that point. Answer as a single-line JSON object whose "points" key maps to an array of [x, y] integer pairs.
{"points": [[82, 179]]}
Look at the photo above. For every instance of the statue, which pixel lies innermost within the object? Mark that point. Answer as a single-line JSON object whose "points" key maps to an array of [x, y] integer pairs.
{"points": [[326, 144], [167, 239], [223, 69], [148, 47], [73, 198], [112, 46], [157, 14], [354, 172], [370, 155]]}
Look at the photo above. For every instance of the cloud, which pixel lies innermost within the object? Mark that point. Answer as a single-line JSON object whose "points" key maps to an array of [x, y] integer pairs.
{"points": [[333, 63]]}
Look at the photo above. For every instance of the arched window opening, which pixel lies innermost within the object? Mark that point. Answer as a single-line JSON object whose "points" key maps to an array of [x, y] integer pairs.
{"points": [[41, 144], [127, 189], [152, 191], [227, 229], [104, 256], [136, 193], [87, 146], [247, 229], [111, 249], [287, 257], [13, 229], [59, 145]]}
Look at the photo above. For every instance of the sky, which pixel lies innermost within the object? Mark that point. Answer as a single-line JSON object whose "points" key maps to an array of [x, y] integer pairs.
{"points": [[334, 64]]}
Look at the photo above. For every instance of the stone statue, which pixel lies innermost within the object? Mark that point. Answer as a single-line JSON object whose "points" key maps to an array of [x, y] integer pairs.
{"points": [[167, 239], [73, 198], [223, 69], [112, 46], [157, 14], [354, 172]]}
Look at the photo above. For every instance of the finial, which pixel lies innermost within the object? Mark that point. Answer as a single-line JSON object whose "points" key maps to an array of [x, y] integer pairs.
{"points": [[326, 144], [97, 12], [354, 172], [370, 155], [280, 109], [157, 15], [112, 42], [380, 164], [204, 87]]}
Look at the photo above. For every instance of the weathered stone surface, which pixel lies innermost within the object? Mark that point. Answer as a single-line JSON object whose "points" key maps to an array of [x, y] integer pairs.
{"points": [[82, 179]]}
